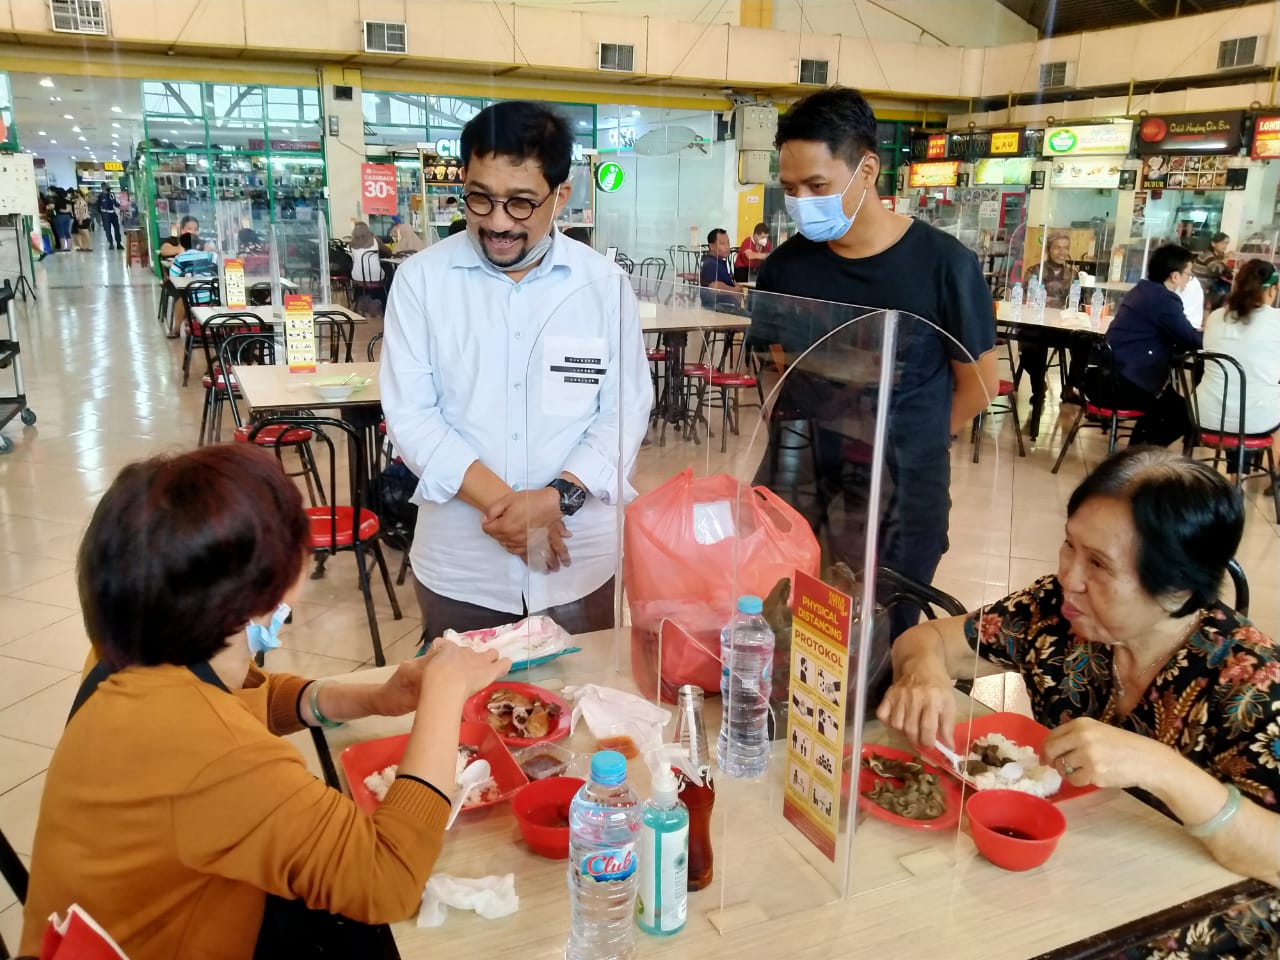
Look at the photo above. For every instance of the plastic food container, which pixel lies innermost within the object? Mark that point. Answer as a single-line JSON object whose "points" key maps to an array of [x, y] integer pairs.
{"points": [[543, 760], [542, 811], [1014, 830]]}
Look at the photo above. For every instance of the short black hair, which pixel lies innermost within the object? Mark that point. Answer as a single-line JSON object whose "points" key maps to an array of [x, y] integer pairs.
{"points": [[1188, 518], [711, 235], [1167, 260], [458, 226], [183, 551], [521, 130], [1218, 237], [185, 241], [759, 229], [187, 219], [840, 117]]}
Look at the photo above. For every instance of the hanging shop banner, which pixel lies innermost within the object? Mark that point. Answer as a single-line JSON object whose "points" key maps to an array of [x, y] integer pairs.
{"points": [[931, 146], [815, 717], [942, 174], [233, 284], [378, 189], [1100, 173], [997, 171], [1219, 132], [1006, 143], [299, 333], [1178, 172], [1089, 139], [1266, 138]]}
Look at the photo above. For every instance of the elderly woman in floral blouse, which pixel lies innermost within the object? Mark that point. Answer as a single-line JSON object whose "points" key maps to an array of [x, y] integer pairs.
{"points": [[1145, 679]]}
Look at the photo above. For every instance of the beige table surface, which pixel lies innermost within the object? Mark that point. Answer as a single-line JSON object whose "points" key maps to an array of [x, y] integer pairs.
{"points": [[1115, 286], [1053, 318], [672, 319], [181, 283], [915, 894], [271, 313], [275, 388]]}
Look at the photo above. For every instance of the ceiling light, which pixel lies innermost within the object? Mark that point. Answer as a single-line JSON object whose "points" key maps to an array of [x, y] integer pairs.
{"points": [[75, 129], [286, 130], [80, 138], [583, 123], [55, 99], [47, 82], [115, 109], [53, 141], [41, 133]]}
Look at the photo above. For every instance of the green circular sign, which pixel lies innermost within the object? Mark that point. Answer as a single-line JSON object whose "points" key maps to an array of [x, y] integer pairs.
{"points": [[1063, 141], [610, 177]]}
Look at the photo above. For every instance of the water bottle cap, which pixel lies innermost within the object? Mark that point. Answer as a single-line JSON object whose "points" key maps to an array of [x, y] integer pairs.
{"points": [[608, 768], [750, 605]]}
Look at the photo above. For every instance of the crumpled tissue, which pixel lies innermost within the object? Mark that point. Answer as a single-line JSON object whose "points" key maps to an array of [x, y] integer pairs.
{"points": [[616, 713], [490, 897]]}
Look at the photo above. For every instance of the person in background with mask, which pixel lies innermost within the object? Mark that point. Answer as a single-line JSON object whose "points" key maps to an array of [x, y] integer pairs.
{"points": [[851, 250], [513, 360], [752, 253]]}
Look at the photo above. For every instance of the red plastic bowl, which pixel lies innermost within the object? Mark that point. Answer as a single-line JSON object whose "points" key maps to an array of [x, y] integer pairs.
{"points": [[994, 814], [540, 809]]}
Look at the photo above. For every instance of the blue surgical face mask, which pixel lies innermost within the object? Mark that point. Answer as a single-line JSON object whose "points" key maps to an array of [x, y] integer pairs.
{"points": [[260, 638], [822, 218]]}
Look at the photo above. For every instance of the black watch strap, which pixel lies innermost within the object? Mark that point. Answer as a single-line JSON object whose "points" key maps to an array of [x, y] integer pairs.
{"points": [[572, 496]]}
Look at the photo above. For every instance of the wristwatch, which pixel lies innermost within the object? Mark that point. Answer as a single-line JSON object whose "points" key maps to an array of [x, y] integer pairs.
{"points": [[572, 496]]}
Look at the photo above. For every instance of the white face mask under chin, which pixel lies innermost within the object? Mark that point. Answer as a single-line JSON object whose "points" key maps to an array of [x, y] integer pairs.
{"points": [[531, 256]]}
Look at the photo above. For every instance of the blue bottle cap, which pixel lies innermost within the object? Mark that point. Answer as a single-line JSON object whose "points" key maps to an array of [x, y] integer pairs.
{"points": [[750, 605], [608, 768]]}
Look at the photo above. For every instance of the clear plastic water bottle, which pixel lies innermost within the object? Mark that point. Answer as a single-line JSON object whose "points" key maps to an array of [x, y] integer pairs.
{"points": [[1041, 298], [1095, 309], [604, 827], [746, 655], [1073, 297]]}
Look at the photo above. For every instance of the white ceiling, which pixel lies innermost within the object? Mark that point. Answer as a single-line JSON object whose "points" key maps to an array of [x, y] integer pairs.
{"points": [[90, 103]]}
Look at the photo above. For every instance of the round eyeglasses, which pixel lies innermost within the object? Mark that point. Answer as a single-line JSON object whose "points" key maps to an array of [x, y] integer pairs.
{"points": [[517, 208]]}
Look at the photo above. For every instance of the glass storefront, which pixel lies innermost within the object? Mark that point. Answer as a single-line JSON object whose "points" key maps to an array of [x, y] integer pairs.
{"points": [[237, 157]]}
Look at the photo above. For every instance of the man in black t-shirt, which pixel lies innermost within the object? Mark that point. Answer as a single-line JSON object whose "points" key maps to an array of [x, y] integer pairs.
{"points": [[853, 251]]}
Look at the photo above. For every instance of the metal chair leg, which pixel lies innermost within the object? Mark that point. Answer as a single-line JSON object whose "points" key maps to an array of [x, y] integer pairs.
{"points": [[365, 588], [1071, 436], [386, 580]]}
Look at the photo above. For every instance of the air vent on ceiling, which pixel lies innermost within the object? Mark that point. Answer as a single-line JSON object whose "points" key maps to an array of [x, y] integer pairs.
{"points": [[1239, 52], [814, 72], [79, 16], [1057, 74], [383, 36], [618, 56]]}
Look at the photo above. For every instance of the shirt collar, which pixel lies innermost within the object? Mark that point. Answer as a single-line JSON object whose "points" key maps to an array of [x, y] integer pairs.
{"points": [[465, 256]]}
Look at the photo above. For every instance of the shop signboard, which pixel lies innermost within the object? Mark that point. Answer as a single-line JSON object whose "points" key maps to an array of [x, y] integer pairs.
{"points": [[1182, 172], [1006, 143], [937, 146], [446, 170], [610, 177], [378, 189], [1266, 139], [817, 711], [944, 173], [1089, 139], [287, 146], [931, 146], [1098, 173], [1219, 132], [999, 170], [113, 166]]}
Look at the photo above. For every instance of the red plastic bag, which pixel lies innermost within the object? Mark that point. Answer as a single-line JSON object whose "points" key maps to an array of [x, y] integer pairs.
{"points": [[77, 937], [682, 587]]}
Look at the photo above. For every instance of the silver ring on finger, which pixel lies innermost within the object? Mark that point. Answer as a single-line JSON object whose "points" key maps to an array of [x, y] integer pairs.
{"points": [[1067, 768]]}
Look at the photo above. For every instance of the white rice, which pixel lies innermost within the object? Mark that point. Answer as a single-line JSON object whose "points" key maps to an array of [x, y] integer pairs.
{"points": [[379, 782], [1037, 779]]}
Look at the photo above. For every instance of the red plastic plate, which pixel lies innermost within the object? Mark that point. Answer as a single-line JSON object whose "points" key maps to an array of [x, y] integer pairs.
{"points": [[1018, 728], [950, 793], [476, 709], [361, 759]]}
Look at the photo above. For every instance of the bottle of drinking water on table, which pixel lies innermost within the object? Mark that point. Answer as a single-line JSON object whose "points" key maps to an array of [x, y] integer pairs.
{"points": [[1040, 298], [1015, 298], [1073, 296], [1095, 309], [604, 828], [746, 657]]}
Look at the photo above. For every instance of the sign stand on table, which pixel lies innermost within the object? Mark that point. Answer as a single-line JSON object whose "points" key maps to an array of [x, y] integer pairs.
{"points": [[299, 333]]}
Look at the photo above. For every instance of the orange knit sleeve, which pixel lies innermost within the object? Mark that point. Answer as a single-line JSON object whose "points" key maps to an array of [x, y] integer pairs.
{"points": [[257, 815], [273, 699]]}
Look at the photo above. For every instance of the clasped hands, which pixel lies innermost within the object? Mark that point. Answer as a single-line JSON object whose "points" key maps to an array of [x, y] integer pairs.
{"points": [[528, 524]]}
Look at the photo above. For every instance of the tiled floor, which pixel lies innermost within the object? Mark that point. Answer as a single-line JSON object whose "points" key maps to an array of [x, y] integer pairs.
{"points": [[107, 388]]}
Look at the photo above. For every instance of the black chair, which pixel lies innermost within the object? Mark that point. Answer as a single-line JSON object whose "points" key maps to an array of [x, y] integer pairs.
{"points": [[649, 282], [259, 294], [338, 527], [372, 285], [375, 347], [1209, 427], [625, 262], [335, 335], [219, 386], [199, 293], [1101, 384], [1241, 584]]}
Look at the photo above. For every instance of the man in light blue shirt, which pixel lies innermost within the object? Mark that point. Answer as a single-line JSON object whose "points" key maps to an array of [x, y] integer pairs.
{"points": [[515, 386]]}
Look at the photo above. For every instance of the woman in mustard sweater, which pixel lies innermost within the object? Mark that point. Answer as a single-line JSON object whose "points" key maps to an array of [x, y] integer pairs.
{"points": [[173, 806]]}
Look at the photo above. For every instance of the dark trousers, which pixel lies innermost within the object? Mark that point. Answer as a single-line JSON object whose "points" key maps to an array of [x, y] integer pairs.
{"points": [[111, 228], [1164, 418], [595, 611]]}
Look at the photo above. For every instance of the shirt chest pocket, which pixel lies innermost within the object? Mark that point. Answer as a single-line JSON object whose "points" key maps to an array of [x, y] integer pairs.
{"points": [[573, 369]]}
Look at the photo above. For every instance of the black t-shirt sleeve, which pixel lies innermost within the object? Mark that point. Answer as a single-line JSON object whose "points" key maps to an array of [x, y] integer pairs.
{"points": [[965, 310]]}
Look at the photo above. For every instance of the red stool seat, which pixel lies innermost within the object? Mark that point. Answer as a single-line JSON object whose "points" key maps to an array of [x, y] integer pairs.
{"points": [[207, 382], [732, 379], [268, 436], [321, 526], [697, 370], [655, 356], [1107, 412], [1211, 439], [1006, 388]]}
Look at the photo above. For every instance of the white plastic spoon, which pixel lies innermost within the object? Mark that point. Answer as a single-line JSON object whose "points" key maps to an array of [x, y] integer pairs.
{"points": [[951, 755], [474, 775]]}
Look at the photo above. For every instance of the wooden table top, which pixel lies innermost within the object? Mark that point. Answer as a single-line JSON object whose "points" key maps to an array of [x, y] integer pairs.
{"points": [[1118, 861], [275, 388], [272, 314], [1053, 318], [673, 319], [181, 283], [1116, 286]]}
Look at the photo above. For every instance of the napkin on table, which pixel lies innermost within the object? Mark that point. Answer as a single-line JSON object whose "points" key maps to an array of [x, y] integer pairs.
{"points": [[612, 713], [490, 897]]}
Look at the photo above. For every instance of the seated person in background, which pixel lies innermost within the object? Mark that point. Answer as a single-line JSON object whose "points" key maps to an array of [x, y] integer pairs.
{"points": [[1248, 330], [187, 226], [719, 291], [581, 234], [366, 266], [174, 810], [460, 226], [752, 253], [1056, 273], [1192, 296], [188, 263], [1137, 667], [404, 238], [249, 241], [1210, 265], [1149, 329]]}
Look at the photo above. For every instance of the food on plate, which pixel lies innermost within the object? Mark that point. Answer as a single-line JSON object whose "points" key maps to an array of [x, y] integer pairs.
{"points": [[1178, 163], [997, 763], [511, 713], [1206, 179], [379, 782], [541, 765], [905, 788]]}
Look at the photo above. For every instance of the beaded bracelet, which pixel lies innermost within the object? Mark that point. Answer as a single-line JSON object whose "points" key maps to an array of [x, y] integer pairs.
{"points": [[1219, 819], [315, 708]]}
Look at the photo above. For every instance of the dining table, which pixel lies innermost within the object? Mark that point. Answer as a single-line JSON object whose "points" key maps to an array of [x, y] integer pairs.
{"points": [[1121, 874]]}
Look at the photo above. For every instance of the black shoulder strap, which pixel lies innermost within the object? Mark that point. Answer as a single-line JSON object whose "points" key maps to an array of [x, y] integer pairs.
{"points": [[101, 671]]}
